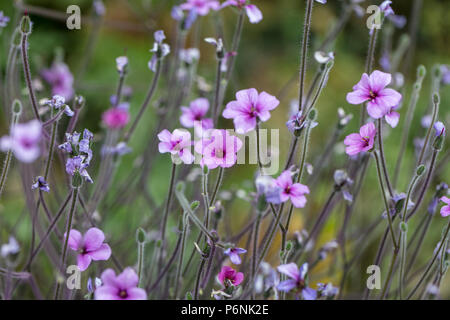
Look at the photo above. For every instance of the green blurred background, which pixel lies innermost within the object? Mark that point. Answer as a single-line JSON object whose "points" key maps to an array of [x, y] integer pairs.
{"points": [[268, 58]]}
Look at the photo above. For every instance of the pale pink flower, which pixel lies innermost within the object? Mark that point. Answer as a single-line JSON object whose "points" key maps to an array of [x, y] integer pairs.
{"points": [[201, 7], [177, 143], [195, 114], [373, 89], [219, 149], [89, 247], [293, 191], [253, 13], [445, 210], [392, 117], [24, 141], [248, 108], [362, 141], [60, 78], [121, 287]]}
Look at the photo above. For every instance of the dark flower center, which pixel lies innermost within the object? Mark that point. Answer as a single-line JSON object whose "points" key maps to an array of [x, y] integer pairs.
{"points": [[26, 143], [366, 140], [372, 95], [123, 294]]}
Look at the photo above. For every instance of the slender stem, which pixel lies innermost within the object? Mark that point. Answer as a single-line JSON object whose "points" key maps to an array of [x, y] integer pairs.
{"points": [[217, 186], [235, 44], [27, 73], [199, 275], [383, 159], [304, 51], [431, 262], [271, 235], [390, 273], [217, 92], [255, 248], [291, 152], [140, 263], [144, 106], [7, 162], [66, 241], [181, 257], [50, 150], [383, 193], [430, 128], [403, 246], [369, 64]]}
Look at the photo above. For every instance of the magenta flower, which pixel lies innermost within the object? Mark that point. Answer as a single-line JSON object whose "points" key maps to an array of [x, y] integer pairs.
{"points": [[289, 190], [89, 247], [392, 116], [373, 89], [362, 141], [201, 7], [445, 210], [253, 13], [219, 149], [228, 276], [24, 141], [297, 280], [60, 78], [177, 144], [248, 108], [121, 287], [194, 115], [233, 254], [116, 117]]}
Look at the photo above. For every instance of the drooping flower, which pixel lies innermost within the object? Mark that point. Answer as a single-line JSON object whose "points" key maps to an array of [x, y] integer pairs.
{"points": [[267, 186], [159, 50], [41, 184], [78, 164], [120, 287], [195, 114], [60, 78], [445, 210], [24, 141], [219, 149], [253, 13], [228, 276], [297, 280], [88, 247], [3, 20], [297, 122], [121, 64], [293, 191], [392, 116], [439, 128], [234, 254], [116, 117], [57, 102], [201, 7], [177, 144], [362, 141], [373, 89], [248, 108], [327, 291]]}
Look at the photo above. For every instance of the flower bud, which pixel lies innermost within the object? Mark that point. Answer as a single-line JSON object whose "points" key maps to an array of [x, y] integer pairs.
{"points": [[25, 25], [436, 98], [17, 107], [195, 205], [421, 71], [438, 143], [403, 226], [16, 38], [77, 180], [420, 170], [141, 236], [180, 186]]}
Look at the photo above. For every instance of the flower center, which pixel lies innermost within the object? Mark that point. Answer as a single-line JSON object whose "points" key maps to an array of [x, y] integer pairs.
{"points": [[219, 153], [123, 294], [366, 140], [26, 143], [372, 95]]}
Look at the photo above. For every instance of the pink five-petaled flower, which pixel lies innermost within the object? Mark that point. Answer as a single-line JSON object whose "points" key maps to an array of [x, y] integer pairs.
{"points": [[445, 210], [60, 78], [373, 89], [297, 280], [177, 144], [362, 141], [116, 117], [228, 275], [289, 190], [24, 141], [121, 287], [253, 13], [89, 247], [248, 108], [201, 7], [219, 149], [194, 115]]}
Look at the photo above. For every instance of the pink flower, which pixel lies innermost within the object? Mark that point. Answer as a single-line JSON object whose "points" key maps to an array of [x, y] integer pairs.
{"points": [[60, 78], [89, 247], [194, 115], [219, 149], [248, 108], [362, 141], [177, 143], [229, 275], [253, 13], [121, 287], [116, 118], [289, 190], [24, 141], [201, 7], [392, 117], [445, 210], [373, 89], [297, 280]]}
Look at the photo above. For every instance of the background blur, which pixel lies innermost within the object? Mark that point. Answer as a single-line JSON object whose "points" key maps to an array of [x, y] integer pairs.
{"points": [[268, 58]]}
